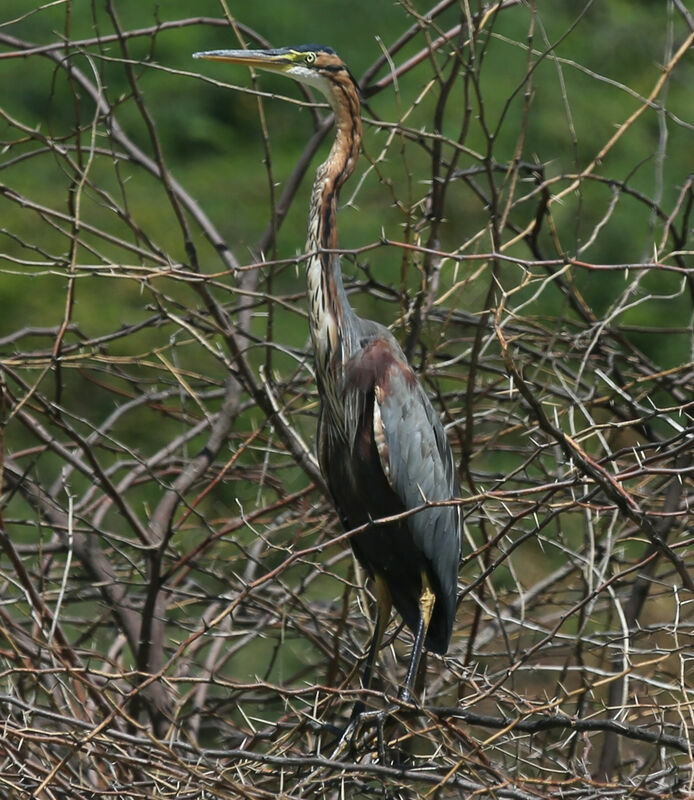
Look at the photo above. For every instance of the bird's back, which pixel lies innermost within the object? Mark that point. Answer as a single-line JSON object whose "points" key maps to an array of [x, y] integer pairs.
{"points": [[388, 455]]}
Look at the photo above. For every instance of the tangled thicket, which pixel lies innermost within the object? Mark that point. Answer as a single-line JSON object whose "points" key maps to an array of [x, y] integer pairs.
{"points": [[181, 615]]}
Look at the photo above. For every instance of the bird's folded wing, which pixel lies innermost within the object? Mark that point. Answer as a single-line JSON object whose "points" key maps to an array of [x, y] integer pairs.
{"points": [[418, 463]]}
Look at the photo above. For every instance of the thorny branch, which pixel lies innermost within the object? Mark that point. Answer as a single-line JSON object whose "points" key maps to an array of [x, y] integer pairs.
{"points": [[179, 613]]}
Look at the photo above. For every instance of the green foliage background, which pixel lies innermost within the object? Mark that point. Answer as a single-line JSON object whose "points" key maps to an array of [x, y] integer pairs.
{"points": [[211, 137], [558, 263]]}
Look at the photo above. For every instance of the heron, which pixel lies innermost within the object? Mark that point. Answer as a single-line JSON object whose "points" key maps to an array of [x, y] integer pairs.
{"points": [[382, 448]]}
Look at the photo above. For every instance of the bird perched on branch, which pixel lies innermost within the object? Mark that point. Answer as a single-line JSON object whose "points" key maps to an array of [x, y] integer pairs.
{"points": [[381, 446]]}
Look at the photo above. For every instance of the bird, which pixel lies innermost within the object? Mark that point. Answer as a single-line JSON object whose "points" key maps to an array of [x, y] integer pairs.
{"points": [[382, 448]]}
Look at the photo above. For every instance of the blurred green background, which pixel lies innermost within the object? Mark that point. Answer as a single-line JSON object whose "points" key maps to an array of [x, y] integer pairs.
{"points": [[212, 141], [604, 58]]}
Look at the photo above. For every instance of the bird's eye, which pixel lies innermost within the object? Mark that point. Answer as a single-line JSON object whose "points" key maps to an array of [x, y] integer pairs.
{"points": [[309, 58]]}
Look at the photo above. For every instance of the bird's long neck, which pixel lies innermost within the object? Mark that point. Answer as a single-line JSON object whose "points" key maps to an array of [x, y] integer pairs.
{"points": [[331, 316]]}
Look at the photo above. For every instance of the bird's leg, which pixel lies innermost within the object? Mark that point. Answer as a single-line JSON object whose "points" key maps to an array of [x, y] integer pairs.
{"points": [[384, 605], [426, 607]]}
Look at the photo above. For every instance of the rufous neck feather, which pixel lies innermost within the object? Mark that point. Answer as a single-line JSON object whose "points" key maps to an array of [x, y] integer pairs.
{"points": [[328, 302]]}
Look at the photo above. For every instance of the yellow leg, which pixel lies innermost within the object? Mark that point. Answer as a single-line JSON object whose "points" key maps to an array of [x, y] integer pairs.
{"points": [[384, 605], [427, 598], [426, 601]]}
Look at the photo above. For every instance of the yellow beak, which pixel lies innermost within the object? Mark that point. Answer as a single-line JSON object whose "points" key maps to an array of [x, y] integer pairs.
{"points": [[273, 60]]}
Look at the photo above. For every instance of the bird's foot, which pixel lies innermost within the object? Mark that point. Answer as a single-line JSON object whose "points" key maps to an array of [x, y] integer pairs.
{"points": [[359, 720], [345, 737]]}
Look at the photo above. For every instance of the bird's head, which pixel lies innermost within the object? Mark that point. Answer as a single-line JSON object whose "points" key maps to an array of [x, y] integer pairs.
{"points": [[312, 64]]}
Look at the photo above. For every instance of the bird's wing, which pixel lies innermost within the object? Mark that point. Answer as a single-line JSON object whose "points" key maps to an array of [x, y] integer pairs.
{"points": [[418, 463]]}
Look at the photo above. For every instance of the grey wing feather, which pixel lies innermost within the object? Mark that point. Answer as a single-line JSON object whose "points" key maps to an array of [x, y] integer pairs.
{"points": [[420, 467]]}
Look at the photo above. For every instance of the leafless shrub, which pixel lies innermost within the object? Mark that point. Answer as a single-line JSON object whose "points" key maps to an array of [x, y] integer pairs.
{"points": [[181, 616]]}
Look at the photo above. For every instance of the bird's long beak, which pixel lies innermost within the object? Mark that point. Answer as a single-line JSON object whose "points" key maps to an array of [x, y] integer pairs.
{"points": [[272, 60]]}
